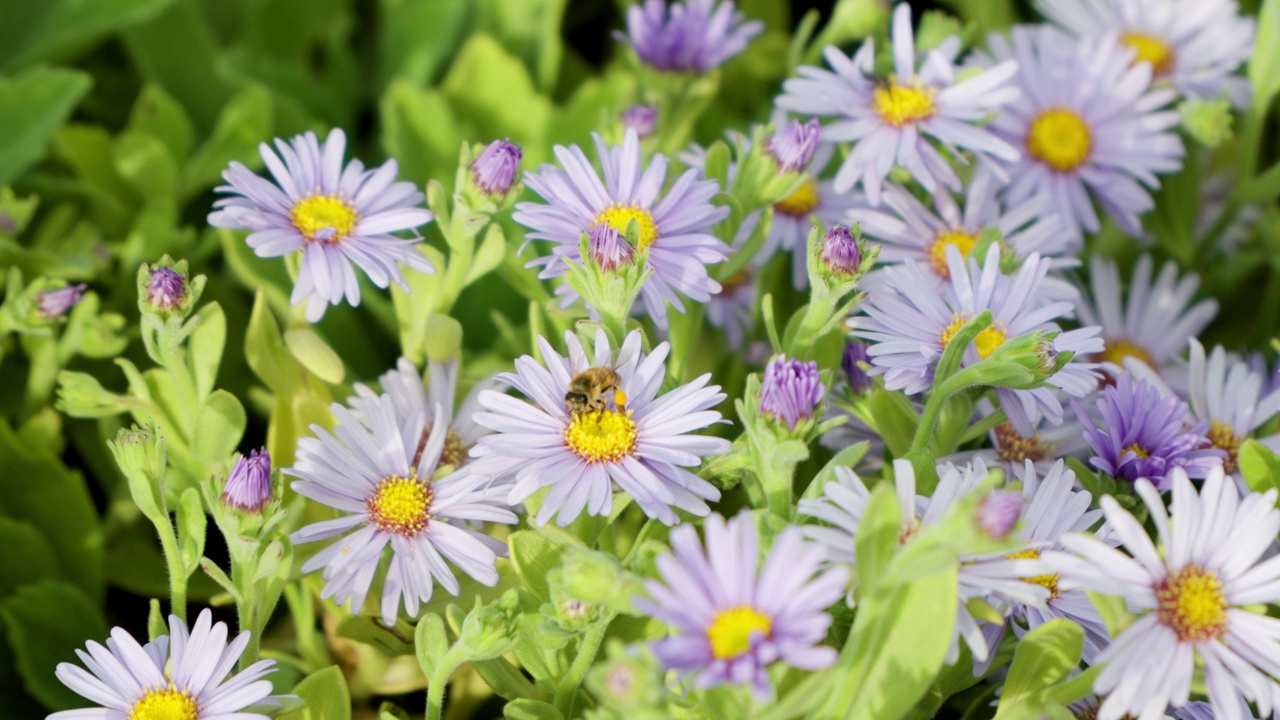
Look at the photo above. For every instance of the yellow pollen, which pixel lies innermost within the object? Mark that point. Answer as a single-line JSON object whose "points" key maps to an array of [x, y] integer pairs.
{"points": [[315, 214], [1119, 349], [165, 704], [963, 241], [898, 104], [1223, 437], [730, 633], [601, 435], [1048, 582], [986, 342], [453, 453], [1192, 603], [1012, 447], [1060, 139], [1139, 450], [800, 203], [1151, 49], [619, 216], [400, 504]]}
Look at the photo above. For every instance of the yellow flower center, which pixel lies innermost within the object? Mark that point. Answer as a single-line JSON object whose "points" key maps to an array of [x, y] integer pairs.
{"points": [[1151, 49], [619, 216], [898, 104], [961, 240], [453, 453], [1012, 447], [1192, 603], [730, 633], [166, 704], [601, 435], [1060, 139], [1048, 582], [1139, 451], [400, 504], [316, 214], [1117, 350], [1223, 437], [801, 202], [986, 342]]}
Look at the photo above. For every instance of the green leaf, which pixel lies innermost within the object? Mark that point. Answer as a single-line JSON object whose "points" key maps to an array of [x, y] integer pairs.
{"points": [[895, 419], [526, 709], [878, 533], [325, 694], [418, 37], [1264, 67], [66, 26], [265, 350], [219, 426], [1260, 466], [157, 114], [242, 124], [420, 130], [1045, 656], [46, 623], [489, 87], [206, 345], [393, 641], [430, 642], [191, 528], [25, 557], [534, 553], [310, 349], [1115, 615], [145, 162], [32, 106]]}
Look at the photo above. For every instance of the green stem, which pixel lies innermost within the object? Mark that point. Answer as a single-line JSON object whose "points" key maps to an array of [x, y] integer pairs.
{"points": [[451, 661], [586, 655], [177, 574], [462, 249]]}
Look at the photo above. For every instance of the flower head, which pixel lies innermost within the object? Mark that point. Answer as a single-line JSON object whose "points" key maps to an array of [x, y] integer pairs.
{"points": [[735, 617], [841, 250], [182, 675], [891, 121], [695, 35], [335, 215], [641, 118], [791, 390], [635, 439], [793, 145], [54, 304], [165, 289], [494, 170], [249, 485]]}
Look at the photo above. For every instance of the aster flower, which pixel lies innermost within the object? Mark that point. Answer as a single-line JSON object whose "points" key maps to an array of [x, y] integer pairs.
{"points": [[735, 617], [789, 229], [1011, 449], [673, 228], [1088, 124], [910, 320], [249, 485], [695, 35], [853, 384], [1154, 322], [1144, 436], [179, 675], [732, 308], [494, 170], [643, 447], [1195, 45], [790, 390], [641, 118], [1192, 601], [891, 122], [54, 304], [377, 469], [337, 216]]}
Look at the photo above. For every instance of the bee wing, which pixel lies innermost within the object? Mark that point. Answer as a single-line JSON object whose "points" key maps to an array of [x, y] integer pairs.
{"points": [[577, 356], [629, 355], [604, 351]]}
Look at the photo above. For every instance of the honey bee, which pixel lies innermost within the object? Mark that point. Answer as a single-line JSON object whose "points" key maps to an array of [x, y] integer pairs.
{"points": [[591, 389]]}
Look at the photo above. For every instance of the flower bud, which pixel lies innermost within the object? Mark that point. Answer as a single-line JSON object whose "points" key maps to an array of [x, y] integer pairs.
{"points": [[165, 290], [249, 486], [792, 147], [629, 679], [54, 304], [489, 630], [841, 251], [139, 452], [791, 390], [1025, 362], [641, 118], [854, 357], [609, 248], [1208, 121], [997, 513], [494, 171]]}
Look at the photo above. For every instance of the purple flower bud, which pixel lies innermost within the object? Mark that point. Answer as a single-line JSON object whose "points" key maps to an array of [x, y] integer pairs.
{"points": [[641, 118], [494, 170], [165, 289], [794, 144], [854, 353], [56, 303], [609, 248], [249, 487], [998, 512], [840, 251], [791, 390]]}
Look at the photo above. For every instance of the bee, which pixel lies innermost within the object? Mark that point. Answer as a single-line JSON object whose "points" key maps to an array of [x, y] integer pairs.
{"points": [[591, 389], [881, 81]]}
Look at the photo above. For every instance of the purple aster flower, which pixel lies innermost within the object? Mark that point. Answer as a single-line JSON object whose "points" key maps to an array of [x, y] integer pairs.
{"points": [[56, 303], [378, 467], [1146, 436], [249, 486], [609, 248], [494, 171], [734, 617], [791, 390], [1089, 125], [891, 121], [641, 118], [165, 289], [793, 145], [637, 441], [840, 251], [674, 228], [179, 675], [335, 215], [852, 361], [697, 35]]}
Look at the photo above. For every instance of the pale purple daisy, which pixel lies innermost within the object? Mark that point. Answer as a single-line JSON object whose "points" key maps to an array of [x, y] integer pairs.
{"points": [[54, 304], [179, 675], [910, 320], [1011, 449], [735, 617], [674, 228], [378, 467], [637, 441], [1195, 45], [791, 390], [249, 485], [1195, 602], [891, 122], [1089, 124], [337, 216], [1144, 436], [695, 35]]}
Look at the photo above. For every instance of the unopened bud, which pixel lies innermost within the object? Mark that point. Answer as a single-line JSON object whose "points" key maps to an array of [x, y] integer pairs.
{"points": [[997, 513], [489, 630], [791, 390], [54, 304], [249, 485], [854, 357], [494, 171], [165, 290], [629, 679], [641, 118], [841, 251], [609, 248], [792, 147]]}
